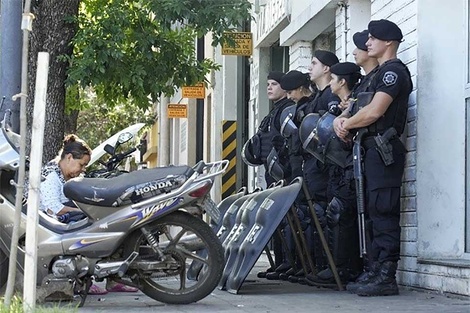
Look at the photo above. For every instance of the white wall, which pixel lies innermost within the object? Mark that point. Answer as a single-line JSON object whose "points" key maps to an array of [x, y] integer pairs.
{"points": [[441, 162], [225, 95]]}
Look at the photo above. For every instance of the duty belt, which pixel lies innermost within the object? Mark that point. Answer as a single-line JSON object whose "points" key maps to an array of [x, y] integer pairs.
{"points": [[369, 142]]}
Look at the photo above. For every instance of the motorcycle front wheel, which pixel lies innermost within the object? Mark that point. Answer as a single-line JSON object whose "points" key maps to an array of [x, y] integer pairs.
{"points": [[180, 236]]}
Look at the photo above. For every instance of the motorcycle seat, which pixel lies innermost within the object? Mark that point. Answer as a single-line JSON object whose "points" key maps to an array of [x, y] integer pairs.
{"points": [[130, 187]]}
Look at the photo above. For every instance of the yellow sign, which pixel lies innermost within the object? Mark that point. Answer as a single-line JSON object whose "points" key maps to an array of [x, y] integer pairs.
{"points": [[243, 44], [177, 111], [197, 91]]}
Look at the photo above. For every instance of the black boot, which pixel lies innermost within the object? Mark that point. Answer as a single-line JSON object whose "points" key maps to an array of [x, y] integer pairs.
{"points": [[280, 269], [364, 278], [326, 278], [383, 284], [262, 274]]}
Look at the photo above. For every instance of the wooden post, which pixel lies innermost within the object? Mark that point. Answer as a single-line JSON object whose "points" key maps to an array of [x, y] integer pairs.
{"points": [[26, 26], [30, 266]]}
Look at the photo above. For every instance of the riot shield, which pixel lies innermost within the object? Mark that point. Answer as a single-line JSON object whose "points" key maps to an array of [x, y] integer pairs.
{"points": [[244, 221], [268, 217], [223, 207]]}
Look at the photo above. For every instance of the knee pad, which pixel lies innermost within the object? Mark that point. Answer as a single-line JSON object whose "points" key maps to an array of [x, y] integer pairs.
{"points": [[334, 211], [320, 213]]}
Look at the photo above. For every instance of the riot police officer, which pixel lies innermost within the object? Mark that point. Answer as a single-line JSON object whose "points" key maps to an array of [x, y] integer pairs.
{"points": [[384, 156], [314, 171], [257, 148], [341, 210]]}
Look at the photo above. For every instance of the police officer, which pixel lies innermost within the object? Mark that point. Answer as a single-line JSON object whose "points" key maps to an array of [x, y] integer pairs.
{"points": [[386, 112], [298, 88], [341, 211], [362, 58], [262, 143], [259, 146], [316, 174]]}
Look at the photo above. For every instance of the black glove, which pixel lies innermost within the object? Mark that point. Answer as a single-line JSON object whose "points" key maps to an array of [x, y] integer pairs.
{"points": [[278, 142]]}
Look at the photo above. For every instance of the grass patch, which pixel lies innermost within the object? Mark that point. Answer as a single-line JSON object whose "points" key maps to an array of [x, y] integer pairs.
{"points": [[16, 306]]}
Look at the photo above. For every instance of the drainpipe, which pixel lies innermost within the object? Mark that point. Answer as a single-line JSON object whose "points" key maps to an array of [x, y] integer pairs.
{"points": [[344, 13]]}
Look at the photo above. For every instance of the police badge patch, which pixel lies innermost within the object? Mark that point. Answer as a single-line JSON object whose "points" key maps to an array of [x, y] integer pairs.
{"points": [[390, 78]]}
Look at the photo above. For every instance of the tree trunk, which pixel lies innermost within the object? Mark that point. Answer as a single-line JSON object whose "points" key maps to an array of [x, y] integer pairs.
{"points": [[70, 125], [52, 33]]}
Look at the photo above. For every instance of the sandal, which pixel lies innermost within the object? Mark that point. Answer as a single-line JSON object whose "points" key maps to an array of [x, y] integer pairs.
{"points": [[96, 290], [122, 288]]}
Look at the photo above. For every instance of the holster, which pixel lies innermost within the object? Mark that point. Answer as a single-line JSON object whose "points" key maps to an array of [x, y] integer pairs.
{"points": [[384, 146]]}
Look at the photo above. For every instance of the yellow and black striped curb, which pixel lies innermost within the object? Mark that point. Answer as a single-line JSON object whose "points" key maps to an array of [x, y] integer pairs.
{"points": [[229, 152]]}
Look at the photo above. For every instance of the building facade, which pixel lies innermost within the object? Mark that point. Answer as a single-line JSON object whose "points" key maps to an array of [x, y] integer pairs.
{"points": [[435, 216]]}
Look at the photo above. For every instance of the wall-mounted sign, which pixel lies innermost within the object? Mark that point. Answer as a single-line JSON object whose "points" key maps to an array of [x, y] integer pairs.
{"points": [[197, 91], [243, 44], [177, 111]]}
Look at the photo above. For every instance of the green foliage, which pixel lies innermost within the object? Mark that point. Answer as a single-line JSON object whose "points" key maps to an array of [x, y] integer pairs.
{"points": [[136, 50], [97, 121]]}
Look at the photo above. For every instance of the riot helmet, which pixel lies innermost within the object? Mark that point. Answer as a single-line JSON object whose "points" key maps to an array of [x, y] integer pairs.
{"points": [[332, 147], [307, 132], [288, 126], [249, 156], [308, 136], [337, 153], [276, 169], [324, 129]]}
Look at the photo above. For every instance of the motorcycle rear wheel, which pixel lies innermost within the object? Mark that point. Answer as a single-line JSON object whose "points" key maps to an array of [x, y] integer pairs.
{"points": [[180, 235]]}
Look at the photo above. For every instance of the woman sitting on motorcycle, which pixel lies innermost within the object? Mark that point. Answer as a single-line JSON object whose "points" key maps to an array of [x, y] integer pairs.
{"points": [[71, 162]]}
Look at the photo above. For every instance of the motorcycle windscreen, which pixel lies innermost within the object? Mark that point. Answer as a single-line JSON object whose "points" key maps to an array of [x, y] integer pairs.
{"points": [[98, 152], [223, 207], [269, 216], [245, 220]]}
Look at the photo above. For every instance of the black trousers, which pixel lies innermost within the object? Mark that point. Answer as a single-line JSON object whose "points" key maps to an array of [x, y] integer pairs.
{"points": [[383, 185], [316, 178]]}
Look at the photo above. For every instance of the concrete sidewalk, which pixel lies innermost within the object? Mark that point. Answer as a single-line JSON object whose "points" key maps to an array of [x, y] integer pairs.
{"points": [[261, 295]]}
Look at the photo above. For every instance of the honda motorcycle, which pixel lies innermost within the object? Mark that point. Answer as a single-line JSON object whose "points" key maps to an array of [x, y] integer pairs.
{"points": [[137, 230]]}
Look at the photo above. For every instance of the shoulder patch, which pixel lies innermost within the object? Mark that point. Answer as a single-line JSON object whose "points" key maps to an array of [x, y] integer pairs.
{"points": [[390, 78]]}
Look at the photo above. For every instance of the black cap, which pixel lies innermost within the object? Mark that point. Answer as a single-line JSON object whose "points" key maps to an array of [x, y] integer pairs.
{"points": [[360, 39], [345, 68], [326, 57], [275, 75], [294, 79], [385, 30]]}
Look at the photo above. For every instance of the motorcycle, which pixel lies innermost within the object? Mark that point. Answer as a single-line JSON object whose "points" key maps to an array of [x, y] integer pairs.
{"points": [[137, 230]]}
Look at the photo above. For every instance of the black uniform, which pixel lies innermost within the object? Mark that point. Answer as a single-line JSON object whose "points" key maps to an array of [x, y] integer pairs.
{"points": [[269, 127], [315, 172], [383, 182]]}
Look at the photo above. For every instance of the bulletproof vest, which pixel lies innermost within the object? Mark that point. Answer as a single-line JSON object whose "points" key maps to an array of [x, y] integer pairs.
{"points": [[395, 116], [270, 127]]}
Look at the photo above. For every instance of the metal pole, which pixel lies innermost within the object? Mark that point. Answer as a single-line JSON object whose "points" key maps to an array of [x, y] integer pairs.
{"points": [[164, 138], [39, 114], [10, 58], [26, 26], [200, 108]]}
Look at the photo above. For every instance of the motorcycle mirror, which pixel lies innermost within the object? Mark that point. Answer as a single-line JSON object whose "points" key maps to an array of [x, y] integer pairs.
{"points": [[109, 149], [124, 137]]}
